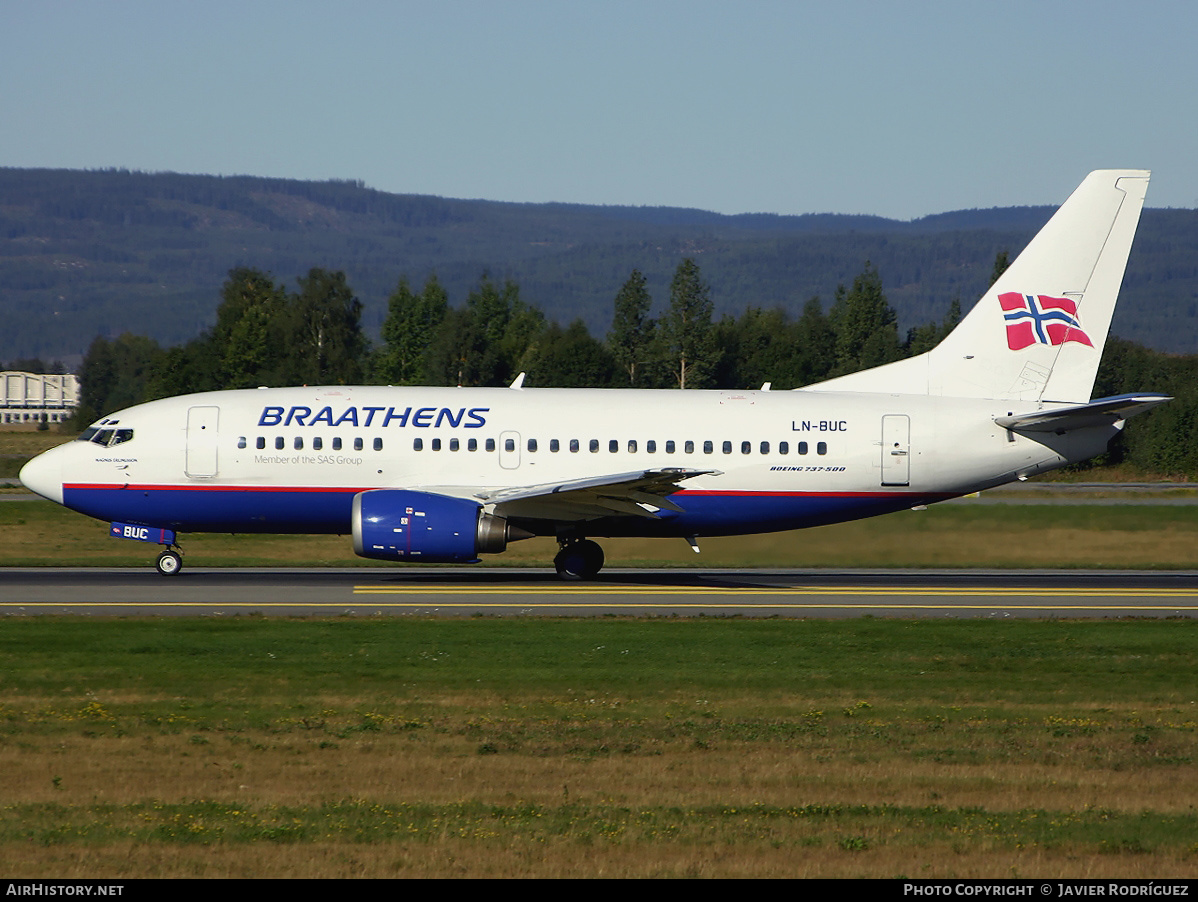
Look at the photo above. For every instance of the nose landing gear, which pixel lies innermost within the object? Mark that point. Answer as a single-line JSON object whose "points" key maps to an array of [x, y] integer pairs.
{"points": [[578, 559], [170, 562]]}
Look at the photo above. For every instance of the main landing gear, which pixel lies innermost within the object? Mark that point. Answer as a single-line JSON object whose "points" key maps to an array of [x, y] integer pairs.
{"points": [[170, 562], [578, 559]]}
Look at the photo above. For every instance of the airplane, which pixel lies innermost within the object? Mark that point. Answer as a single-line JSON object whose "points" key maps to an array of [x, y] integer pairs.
{"points": [[444, 475]]}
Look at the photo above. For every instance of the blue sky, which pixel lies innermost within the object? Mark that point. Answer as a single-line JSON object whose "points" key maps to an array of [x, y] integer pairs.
{"points": [[896, 108]]}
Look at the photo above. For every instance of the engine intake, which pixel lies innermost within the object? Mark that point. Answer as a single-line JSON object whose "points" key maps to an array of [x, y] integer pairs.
{"points": [[402, 525]]}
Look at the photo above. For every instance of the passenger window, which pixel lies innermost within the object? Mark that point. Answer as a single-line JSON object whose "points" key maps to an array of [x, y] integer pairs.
{"points": [[554, 445], [746, 447], [594, 446], [689, 448], [765, 447], [241, 442], [632, 446], [573, 445], [317, 443], [708, 447], [298, 443], [509, 444], [357, 444], [472, 444], [378, 444], [436, 444], [337, 443], [260, 443], [613, 446], [490, 444], [417, 444], [783, 447], [651, 446], [532, 444], [453, 444], [802, 448], [670, 447], [726, 447], [821, 448], [280, 442]]}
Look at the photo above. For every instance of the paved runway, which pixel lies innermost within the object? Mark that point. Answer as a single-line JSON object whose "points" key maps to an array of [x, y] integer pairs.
{"points": [[455, 592]]}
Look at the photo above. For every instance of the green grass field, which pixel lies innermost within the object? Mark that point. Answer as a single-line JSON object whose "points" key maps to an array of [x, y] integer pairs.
{"points": [[701, 747]]}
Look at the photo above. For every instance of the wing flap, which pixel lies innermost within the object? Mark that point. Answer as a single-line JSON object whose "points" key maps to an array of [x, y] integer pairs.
{"points": [[641, 493]]}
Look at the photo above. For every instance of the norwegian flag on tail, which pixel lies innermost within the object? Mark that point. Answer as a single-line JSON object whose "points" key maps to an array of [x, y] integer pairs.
{"points": [[1040, 319]]}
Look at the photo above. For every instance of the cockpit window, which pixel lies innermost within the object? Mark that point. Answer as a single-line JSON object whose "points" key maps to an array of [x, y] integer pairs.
{"points": [[105, 437]]}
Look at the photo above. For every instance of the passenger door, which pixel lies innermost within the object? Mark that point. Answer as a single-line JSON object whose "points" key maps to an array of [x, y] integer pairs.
{"points": [[896, 449], [202, 437]]}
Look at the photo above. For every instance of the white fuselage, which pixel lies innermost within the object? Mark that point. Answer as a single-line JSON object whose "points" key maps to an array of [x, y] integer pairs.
{"points": [[291, 459]]}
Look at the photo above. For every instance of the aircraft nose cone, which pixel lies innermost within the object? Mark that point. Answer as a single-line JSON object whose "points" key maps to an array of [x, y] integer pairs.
{"points": [[43, 475]]}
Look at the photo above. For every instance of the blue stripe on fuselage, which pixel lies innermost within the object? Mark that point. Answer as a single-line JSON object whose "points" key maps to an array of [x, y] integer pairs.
{"points": [[328, 510], [218, 509]]}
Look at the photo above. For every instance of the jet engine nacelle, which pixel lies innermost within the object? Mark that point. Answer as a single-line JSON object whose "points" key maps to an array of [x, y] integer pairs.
{"points": [[401, 525]]}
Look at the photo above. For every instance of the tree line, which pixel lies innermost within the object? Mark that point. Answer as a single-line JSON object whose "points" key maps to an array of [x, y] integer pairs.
{"points": [[87, 253], [267, 335]]}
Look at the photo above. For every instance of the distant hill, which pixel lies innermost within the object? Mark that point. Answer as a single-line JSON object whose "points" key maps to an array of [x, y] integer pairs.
{"points": [[87, 253]]}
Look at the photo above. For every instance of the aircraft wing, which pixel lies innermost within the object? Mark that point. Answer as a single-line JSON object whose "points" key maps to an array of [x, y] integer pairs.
{"points": [[1102, 412], [641, 493]]}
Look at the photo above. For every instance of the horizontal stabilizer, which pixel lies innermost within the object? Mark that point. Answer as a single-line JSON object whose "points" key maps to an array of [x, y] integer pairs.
{"points": [[1103, 412]]}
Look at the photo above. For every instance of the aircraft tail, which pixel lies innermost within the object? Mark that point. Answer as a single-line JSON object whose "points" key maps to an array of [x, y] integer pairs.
{"points": [[1038, 333]]}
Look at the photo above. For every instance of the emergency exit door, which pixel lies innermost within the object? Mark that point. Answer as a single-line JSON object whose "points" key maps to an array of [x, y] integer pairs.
{"points": [[509, 450]]}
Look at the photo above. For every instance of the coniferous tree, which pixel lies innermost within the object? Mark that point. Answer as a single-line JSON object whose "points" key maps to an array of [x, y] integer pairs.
{"points": [[921, 339], [865, 325], [813, 349], [1002, 261], [687, 335], [632, 330]]}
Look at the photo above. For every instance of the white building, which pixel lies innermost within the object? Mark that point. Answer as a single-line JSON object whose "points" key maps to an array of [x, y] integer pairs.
{"points": [[27, 399]]}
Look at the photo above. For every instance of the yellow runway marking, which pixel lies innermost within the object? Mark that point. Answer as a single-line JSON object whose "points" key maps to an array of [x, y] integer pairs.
{"points": [[801, 591], [650, 598], [533, 597]]}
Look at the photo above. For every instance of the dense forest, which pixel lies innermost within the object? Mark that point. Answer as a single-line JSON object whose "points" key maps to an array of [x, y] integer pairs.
{"points": [[267, 335], [105, 253]]}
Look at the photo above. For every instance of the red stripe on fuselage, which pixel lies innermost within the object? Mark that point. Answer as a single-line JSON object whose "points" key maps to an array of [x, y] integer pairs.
{"points": [[130, 487]]}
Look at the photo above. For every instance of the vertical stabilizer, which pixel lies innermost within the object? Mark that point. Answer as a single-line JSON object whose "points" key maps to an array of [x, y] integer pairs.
{"points": [[1038, 333]]}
